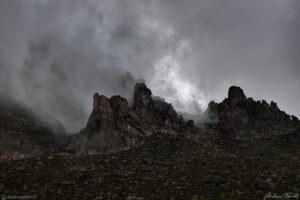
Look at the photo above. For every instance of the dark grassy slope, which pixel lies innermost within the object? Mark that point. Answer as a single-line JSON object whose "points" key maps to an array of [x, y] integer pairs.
{"points": [[165, 166]]}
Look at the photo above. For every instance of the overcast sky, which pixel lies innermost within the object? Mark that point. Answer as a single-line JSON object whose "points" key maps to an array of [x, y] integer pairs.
{"points": [[55, 54]]}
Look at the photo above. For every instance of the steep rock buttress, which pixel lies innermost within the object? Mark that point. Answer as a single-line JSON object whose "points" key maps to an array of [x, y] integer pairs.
{"points": [[114, 125]]}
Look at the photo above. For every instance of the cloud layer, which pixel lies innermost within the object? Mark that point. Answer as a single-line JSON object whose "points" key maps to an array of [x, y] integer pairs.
{"points": [[55, 54]]}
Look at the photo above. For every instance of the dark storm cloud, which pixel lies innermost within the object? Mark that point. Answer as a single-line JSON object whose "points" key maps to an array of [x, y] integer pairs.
{"points": [[254, 44], [55, 54]]}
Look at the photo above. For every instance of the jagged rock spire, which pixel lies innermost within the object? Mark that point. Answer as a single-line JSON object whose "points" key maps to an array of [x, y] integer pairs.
{"points": [[237, 113], [236, 95], [114, 125]]}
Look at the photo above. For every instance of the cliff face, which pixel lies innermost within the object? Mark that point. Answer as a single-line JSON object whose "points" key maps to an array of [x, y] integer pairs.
{"points": [[238, 112], [114, 125], [155, 111]]}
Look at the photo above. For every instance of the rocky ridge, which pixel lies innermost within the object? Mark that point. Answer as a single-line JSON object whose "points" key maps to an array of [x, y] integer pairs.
{"points": [[114, 125], [173, 159], [237, 113]]}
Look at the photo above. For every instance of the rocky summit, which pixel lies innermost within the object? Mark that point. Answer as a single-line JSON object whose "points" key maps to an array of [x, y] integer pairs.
{"points": [[238, 113], [144, 150], [114, 125]]}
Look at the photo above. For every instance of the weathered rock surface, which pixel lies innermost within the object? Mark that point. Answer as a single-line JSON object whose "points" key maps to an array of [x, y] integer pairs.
{"points": [[238, 112], [143, 103], [113, 125]]}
